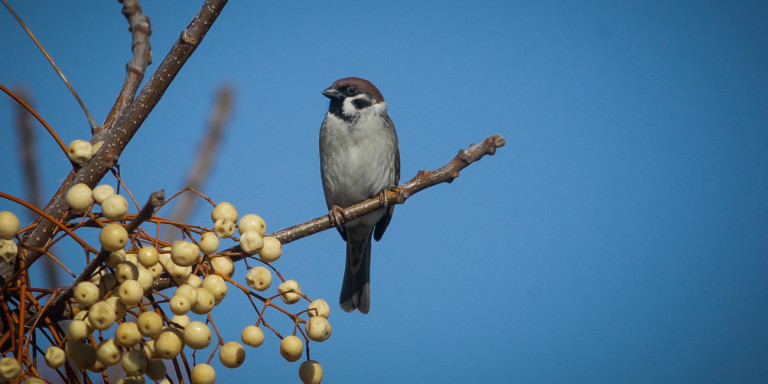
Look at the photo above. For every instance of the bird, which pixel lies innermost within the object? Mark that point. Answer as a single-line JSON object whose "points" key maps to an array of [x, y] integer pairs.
{"points": [[359, 159]]}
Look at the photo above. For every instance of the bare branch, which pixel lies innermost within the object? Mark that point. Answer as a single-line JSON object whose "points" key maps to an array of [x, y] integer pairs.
{"points": [[423, 180], [155, 200], [127, 125], [204, 156], [138, 24]]}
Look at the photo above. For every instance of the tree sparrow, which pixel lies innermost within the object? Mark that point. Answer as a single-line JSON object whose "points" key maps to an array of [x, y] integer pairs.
{"points": [[359, 158]]}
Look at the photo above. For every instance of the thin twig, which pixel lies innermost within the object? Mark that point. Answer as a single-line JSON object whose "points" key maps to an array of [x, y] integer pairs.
{"points": [[155, 199], [138, 24], [91, 121], [423, 180], [39, 118], [129, 122]]}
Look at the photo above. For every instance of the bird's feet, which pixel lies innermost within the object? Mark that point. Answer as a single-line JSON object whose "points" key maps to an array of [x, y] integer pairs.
{"points": [[337, 217], [383, 196]]}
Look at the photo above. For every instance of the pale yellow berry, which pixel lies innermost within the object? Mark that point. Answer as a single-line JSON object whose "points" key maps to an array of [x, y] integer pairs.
{"points": [[311, 372], [251, 242], [97, 146], [168, 344], [127, 334], [224, 210], [271, 250], [79, 151], [55, 357], [217, 286], [148, 347], [223, 265], [155, 270], [204, 303], [97, 366], [130, 292], [252, 222], [209, 243], [115, 258], [147, 256], [9, 368], [102, 315], [291, 348], [232, 354], [132, 380], [178, 273], [79, 330], [197, 335], [180, 304], [187, 290], [184, 253], [202, 374], [195, 281], [318, 328], [134, 363], [86, 293], [8, 250], [181, 320], [149, 323], [259, 278], [113, 237], [118, 306], [156, 369], [101, 192], [83, 355], [114, 207], [289, 291], [109, 353], [34, 380], [9, 225], [319, 307], [252, 336], [145, 279], [224, 228], [125, 270], [79, 197]]}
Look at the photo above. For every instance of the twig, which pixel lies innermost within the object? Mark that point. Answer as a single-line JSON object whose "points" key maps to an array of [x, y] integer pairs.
{"points": [[39, 118], [423, 180], [91, 121], [155, 200], [130, 121], [138, 24], [205, 156]]}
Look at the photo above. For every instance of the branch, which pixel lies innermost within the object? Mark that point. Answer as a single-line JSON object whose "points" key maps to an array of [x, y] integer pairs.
{"points": [[138, 24], [155, 200], [127, 125], [423, 180]]}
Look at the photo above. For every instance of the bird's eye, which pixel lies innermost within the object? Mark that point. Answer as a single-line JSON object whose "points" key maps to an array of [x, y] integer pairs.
{"points": [[351, 90]]}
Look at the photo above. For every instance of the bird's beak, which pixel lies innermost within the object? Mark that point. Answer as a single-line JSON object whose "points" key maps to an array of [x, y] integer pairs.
{"points": [[332, 93]]}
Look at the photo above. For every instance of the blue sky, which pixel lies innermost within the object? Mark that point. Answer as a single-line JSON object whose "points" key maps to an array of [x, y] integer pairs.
{"points": [[619, 236]]}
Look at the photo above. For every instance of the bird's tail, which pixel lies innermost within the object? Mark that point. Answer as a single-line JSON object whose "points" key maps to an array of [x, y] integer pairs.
{"points": [[356, 289]]}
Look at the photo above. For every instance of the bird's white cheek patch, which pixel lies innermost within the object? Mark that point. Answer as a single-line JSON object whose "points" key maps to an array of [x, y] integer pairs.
{"points": [[348, 107]]}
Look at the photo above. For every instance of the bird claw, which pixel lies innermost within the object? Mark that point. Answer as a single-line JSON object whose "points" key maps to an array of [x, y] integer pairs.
{"points": [[383, 196], [337, 217]]}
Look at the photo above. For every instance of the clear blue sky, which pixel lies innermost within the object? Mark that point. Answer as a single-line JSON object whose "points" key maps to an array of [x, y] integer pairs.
{"points": [[621, 236]]}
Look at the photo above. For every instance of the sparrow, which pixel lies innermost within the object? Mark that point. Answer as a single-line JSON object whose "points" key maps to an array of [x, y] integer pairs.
{"points": [[359, 159]]}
